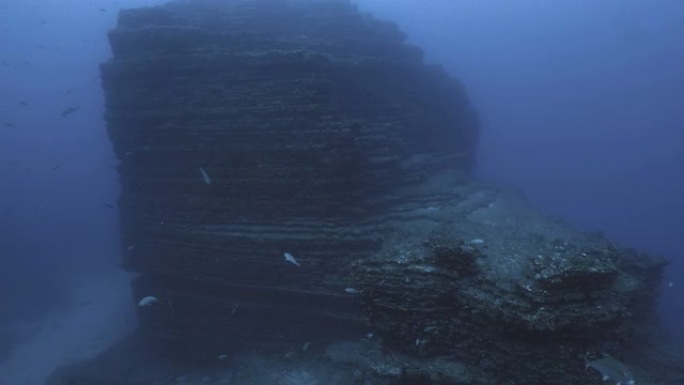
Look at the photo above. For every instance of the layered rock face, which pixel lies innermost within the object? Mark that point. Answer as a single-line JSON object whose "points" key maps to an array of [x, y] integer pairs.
{"points": [[516, 296], [250, 129]]}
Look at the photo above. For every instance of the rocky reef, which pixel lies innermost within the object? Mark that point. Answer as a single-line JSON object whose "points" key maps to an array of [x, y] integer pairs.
{"points": [[247, 130], [515, 295]]}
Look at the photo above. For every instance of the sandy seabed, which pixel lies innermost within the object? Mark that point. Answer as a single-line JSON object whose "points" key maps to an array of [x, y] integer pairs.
{"points": [[100, 313]]}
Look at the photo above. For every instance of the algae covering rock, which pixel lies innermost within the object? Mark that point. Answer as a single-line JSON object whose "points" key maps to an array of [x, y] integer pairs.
{"points": [[250, 129]]}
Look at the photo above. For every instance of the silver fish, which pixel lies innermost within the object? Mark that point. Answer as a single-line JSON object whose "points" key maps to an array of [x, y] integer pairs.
{"points": [[610, 369], [148, 301], [205, 176], [291, 259], [351, 290]]}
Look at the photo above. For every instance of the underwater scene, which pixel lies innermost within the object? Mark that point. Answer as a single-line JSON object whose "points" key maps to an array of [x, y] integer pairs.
{"points": [[338, 192]]}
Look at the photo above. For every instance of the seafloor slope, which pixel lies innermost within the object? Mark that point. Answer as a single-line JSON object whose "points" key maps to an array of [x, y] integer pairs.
{"points": [[250, 129]]}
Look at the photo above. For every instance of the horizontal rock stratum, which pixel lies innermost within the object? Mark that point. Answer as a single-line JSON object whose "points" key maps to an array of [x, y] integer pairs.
{"points": [[247, 130]]}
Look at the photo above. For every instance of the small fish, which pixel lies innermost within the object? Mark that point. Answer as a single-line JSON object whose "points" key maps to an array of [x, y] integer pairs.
{"points": [[205, 176], [351, 290], [306, 346], [131, 247], [8, 124], [54, 168], [23, 103], [147, 301], [69, 110], [610, 369], [222, 357], [109, 206], [291, 259]]}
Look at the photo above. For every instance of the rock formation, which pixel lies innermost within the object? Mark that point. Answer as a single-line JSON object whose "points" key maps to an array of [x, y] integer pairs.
{"points": [[250, 129], [511, 293]]}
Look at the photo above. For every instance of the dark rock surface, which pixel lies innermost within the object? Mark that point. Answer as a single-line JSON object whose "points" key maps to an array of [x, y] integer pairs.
{"points": [[492, 283], [310, 120], [324, 135]]}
